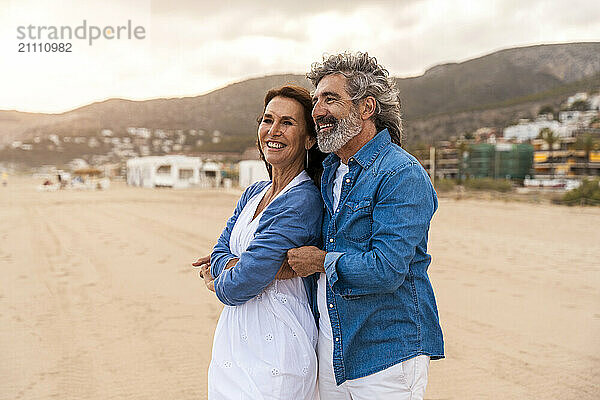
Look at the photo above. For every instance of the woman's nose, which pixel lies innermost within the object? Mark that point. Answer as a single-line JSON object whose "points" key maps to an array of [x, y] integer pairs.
{"points": [[276, 129]]}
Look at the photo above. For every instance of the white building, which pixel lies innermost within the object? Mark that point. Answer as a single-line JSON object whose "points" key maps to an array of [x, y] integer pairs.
{"points": [[595, 102], [173, 171], [252, 171], [525, 130], [54, 139], [581, 118], [581, 96], [166, 171], [210, 174], [77, 163]]}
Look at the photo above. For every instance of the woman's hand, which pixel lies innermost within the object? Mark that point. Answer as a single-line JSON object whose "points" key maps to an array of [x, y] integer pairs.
{"points": [[203, 266], [201, 261], [209, 281], [231, 263]]}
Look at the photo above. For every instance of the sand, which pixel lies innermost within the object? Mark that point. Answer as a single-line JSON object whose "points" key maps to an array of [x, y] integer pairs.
{"points": [[98, 299]]}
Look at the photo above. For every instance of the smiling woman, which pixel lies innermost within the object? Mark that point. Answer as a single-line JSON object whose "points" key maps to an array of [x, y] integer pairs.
{"points": [[282, 134], [264, 345], [298, 108]]}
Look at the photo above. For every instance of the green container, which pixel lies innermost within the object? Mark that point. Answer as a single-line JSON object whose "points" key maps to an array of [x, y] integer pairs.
{"points": [[502, 161]]}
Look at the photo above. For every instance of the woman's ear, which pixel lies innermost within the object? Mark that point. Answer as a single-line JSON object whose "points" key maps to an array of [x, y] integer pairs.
{"points": [[309, 142]]}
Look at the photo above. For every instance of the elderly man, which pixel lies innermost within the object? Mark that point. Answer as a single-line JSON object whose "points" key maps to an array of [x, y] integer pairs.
{"points": [[378, 323]]}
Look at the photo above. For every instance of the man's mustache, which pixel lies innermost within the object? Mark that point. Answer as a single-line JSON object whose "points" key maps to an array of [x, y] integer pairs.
{"points": [[328, 119]]}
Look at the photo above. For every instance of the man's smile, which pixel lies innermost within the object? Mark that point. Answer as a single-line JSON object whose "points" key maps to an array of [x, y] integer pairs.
{"points": [[325, 123]]}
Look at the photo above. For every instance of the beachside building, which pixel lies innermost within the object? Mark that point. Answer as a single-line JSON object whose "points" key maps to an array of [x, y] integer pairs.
{"points": [[251, 171], [210, 174], [566, 159], [166, 171], [499, 160], [446, 158]]}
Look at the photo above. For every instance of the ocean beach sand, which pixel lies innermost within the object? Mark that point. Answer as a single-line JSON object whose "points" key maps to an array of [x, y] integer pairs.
{"points": [[98, 299]]}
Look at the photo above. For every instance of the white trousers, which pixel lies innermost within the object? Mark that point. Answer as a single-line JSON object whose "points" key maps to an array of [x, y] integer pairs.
{"points": [[404, 381]]}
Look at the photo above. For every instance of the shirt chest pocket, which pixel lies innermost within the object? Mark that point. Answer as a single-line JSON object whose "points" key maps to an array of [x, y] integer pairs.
{"points": [[357, 220]]}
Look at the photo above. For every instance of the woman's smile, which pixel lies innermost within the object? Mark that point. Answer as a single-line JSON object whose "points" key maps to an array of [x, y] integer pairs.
{"points": [[273, 145]]}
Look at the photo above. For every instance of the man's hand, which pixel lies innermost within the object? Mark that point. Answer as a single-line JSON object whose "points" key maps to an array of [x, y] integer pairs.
{"points": [[306, 260], [285, 272]]}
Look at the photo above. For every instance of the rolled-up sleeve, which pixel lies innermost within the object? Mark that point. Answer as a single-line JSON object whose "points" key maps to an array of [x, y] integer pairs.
{"points": [[258, 265], [221, 253], [402, 213]]}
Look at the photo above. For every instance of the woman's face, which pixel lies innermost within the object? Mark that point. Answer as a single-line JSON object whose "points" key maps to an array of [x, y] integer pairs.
{"points": [[282, 133]]}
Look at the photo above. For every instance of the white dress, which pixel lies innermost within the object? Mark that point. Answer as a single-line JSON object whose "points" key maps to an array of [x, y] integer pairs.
{"points": [[265, 348]]}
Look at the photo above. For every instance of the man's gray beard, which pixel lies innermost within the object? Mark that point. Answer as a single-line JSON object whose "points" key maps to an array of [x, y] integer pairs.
{"points": [[344, 130]]}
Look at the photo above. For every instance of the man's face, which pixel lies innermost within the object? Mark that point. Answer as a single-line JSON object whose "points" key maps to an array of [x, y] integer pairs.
{"points": [[336, 118]]}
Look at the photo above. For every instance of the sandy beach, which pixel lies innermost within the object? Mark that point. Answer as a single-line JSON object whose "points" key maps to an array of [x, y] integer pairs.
{"points": [[98, 299]]}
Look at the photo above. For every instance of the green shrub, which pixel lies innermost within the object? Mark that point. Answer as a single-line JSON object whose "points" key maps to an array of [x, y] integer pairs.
{"points": [[444, 185], [498, 185], [587, 193]]}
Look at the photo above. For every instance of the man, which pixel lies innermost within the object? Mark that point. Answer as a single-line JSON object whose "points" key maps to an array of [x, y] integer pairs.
{"points": [[378, 323]]}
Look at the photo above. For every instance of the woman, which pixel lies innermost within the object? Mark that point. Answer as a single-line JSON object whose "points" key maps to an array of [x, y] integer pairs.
{"points": [[264, 345]]}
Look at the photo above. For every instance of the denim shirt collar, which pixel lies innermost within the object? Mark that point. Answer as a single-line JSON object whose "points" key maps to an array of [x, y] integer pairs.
{"points": [[367, 154]]}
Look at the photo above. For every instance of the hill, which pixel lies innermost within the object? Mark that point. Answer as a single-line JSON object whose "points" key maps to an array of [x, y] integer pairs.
{"points": [[446, 100]]}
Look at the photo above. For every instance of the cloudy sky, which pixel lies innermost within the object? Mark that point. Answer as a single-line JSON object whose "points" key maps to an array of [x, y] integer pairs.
{"points": [[194, 46]]}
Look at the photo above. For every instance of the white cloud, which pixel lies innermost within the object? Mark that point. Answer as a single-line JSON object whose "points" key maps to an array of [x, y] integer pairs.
{"points": [[194, 46]]}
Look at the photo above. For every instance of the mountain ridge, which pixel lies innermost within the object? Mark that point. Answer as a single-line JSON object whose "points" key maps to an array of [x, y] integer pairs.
{"points": [[483, 82]]}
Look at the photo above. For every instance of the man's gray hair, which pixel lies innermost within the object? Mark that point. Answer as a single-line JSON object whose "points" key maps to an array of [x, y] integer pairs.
{"points": [[365, 78]]}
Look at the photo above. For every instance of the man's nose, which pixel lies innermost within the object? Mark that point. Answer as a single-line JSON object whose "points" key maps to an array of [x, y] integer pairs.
{"points": [[317, 111]]}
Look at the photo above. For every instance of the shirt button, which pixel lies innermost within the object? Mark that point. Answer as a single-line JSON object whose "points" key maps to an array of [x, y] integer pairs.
{"points": [[330, 305], [331, 240], [337, 339], [351, 159], [348, 180]]}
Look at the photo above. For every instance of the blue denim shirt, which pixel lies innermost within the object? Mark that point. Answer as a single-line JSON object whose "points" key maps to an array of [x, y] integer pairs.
{"points": [[291, 220], [381, 303]]}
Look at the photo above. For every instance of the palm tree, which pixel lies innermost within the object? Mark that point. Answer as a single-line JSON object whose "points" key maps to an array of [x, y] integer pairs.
{"points": [[551, 139], [586, 143]]}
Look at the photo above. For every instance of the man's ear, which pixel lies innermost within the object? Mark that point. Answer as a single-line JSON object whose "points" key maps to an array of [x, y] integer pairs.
{"points": [[309, 142], [368, 106]]}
